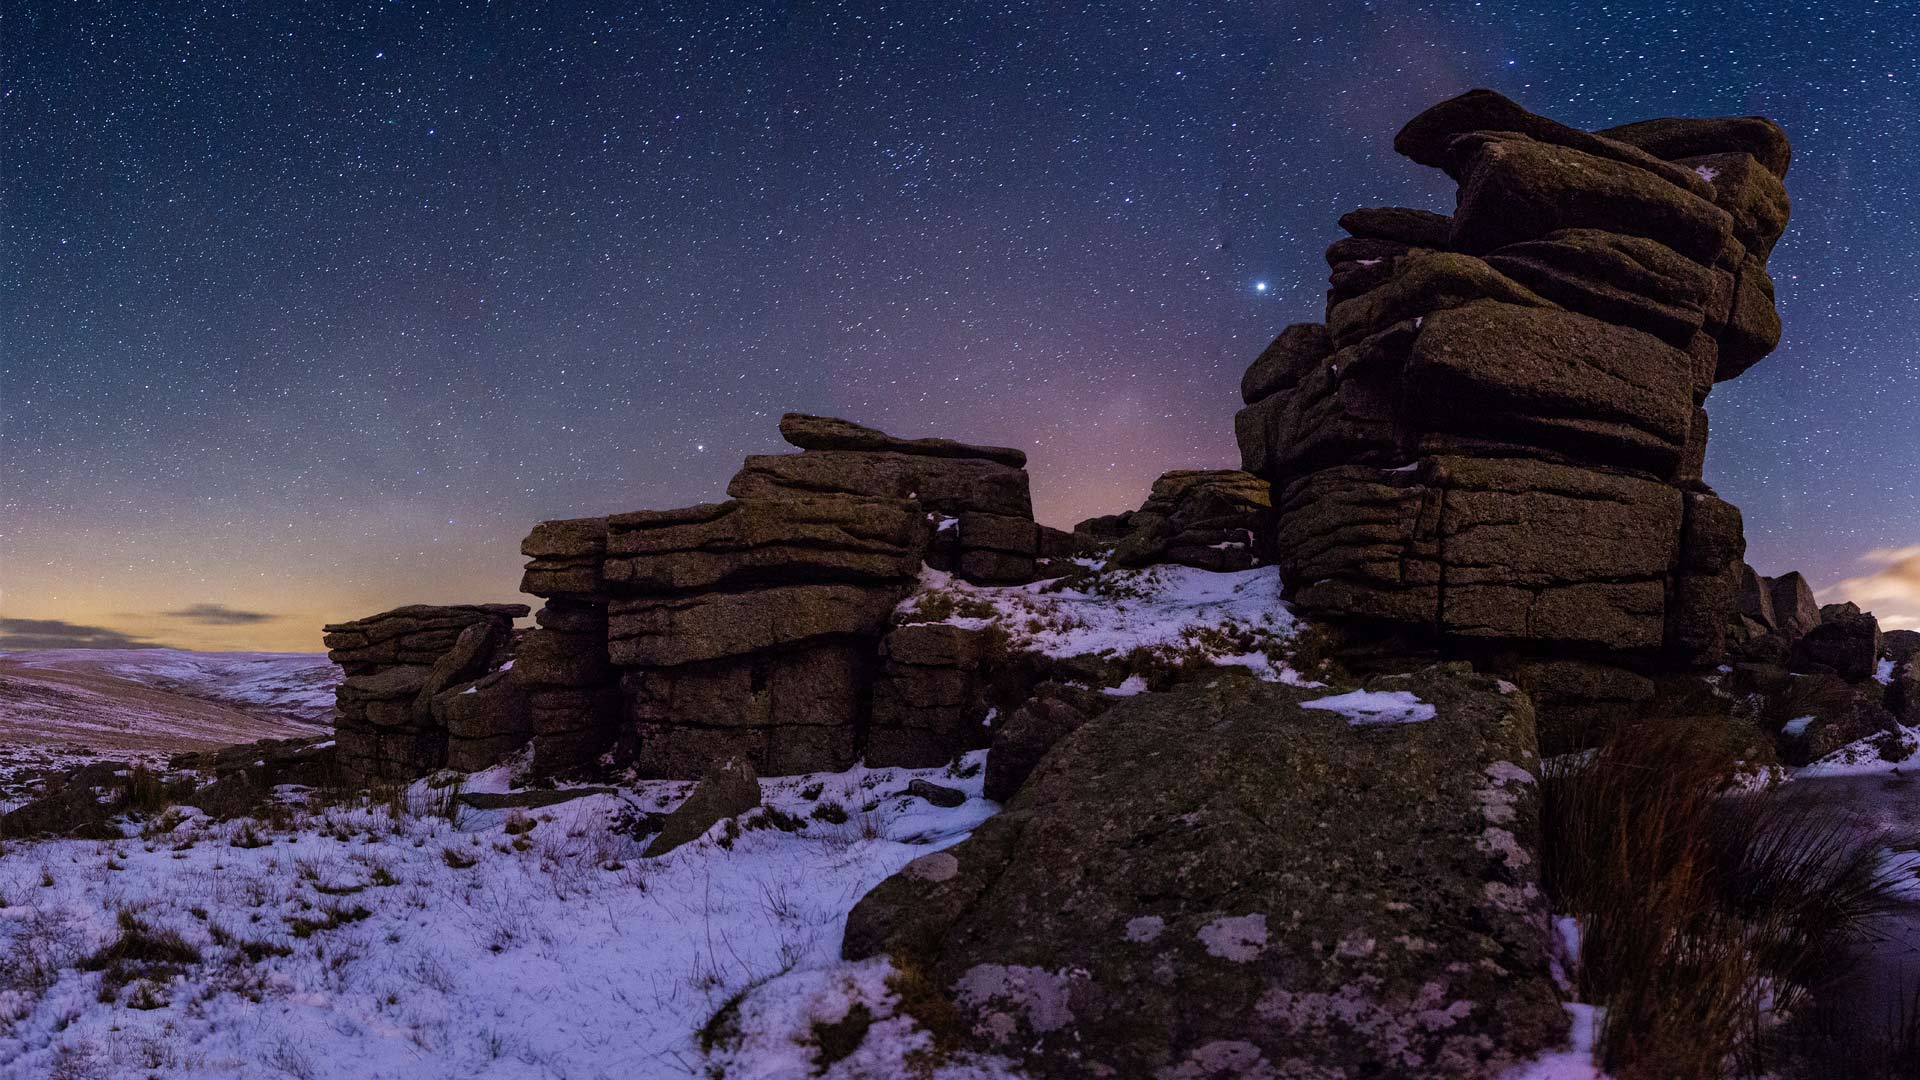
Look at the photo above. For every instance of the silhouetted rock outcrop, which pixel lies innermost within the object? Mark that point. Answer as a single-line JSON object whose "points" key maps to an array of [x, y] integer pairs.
{"points": [[1493, 444]]}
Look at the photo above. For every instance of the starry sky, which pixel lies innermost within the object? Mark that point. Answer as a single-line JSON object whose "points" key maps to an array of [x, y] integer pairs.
{"points": [[309, 310]]}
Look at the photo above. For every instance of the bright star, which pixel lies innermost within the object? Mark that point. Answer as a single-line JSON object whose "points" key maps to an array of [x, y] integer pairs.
{"points": [[1259, 286]]}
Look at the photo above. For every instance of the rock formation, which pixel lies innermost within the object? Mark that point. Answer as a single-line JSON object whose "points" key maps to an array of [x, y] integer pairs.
{"points": [[1211, 519], [397, 664], [753, 627], [1493, 444]]}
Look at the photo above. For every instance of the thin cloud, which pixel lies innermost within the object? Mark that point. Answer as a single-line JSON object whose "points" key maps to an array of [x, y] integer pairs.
{"points": [[1895, 586], [60, 634], [219, 615]]}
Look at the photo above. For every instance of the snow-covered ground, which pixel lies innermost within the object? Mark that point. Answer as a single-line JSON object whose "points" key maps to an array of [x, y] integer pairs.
{"points": [[61, 707], [504, 944], [294, 685], [1181, 614]]}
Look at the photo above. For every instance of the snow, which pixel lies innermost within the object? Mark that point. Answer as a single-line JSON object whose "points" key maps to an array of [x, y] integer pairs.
{"points": [[1865, 757], [505, 944], [293, 684], [1796, 726], [1172, 610], [1574, 1063], [1133, 684], [1706, 172], [1365, 707], [1883, 672]]}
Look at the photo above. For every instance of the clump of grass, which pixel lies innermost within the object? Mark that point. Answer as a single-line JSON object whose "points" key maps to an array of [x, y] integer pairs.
{"points": [[1702, 909], [139, 952], [772, 817], [139, 943], [939, 605], [330, 918], [830, 812], [838, 1040], [921, 998], [248, 835], [455, 859]]}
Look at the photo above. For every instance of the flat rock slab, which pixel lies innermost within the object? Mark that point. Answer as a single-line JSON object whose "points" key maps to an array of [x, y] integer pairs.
{"points": [[1218, 882], [528, 800], [829, 433]]}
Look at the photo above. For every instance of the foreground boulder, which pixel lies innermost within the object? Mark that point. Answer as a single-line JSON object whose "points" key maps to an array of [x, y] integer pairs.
{"points": [[1218, 881], [730, 788], [1847, 642]]}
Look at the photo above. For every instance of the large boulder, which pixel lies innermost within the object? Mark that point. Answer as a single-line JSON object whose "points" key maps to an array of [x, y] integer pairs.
{"points": [[1680, 138], [415, 634], [931, 699], [1514, 189], [1847, 642], [1022, 740], [728, 789], [1900, 646], [564, 558], [486, 720], [1430, 138], [1794, 609], [1238, 879], [1210, 519]]}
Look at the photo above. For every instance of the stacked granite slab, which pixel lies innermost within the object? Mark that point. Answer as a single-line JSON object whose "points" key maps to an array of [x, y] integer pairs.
{"points": [[1494, 442], [1210, 519], [573, 690], [753, 627], [975, 497], [397, 663]]}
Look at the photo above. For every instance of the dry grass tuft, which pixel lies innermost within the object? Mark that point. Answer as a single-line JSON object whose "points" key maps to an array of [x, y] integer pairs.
{"points": [[1701, 908]]}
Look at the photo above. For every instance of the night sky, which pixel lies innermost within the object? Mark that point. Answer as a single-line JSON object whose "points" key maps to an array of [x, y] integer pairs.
{"points": [[308, 310]]}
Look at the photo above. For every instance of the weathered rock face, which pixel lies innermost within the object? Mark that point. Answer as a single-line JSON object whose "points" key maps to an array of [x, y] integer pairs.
{"points": [[932, 698], [728, 789], [1147, 906], [1900, 646], [398, 663], [1493, 445], [1211, 519], [753, 627], [1847, 642]]}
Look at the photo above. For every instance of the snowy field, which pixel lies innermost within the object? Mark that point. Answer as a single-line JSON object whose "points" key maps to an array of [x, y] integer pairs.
{"points": [[346, 943], [65, 707], [298, 686]]}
